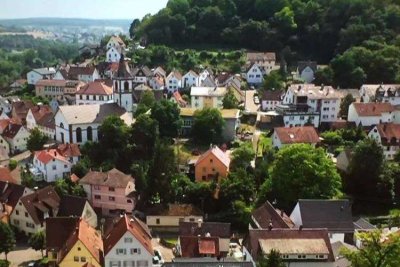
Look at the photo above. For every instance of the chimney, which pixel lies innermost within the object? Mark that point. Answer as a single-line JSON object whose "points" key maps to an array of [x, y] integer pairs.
{"points": [[199, 223], [270, 226], [55, 153], [322, 87], [282, 213], [300, 227]]}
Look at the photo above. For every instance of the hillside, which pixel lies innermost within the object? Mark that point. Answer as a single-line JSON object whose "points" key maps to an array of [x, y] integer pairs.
{"points": [[353, 32]]}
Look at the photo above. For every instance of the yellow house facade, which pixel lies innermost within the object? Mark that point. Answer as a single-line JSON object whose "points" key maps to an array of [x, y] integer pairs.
{"points": [[78, 255]]}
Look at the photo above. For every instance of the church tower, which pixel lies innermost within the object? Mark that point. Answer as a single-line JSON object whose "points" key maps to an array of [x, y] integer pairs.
{"points": [[123, 83]]}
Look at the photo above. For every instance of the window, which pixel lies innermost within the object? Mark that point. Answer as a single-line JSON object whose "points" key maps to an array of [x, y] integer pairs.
{"points": [[87, 97], [83, 259], [112, 189], [65, 166], [78, 135], [115, 264], [211, 160], [79, 248], [26, 214], [97, 197], [142, 263], [191, 219], [16, 222], [302, 118], [157, 221], [129, 201], [30, 225], [135, 251], [17, 212], [111, 198], [96, 187], [128, 240], [121, 251], [76, 258], [89, 133], [129, 264], [326, 109], [291, 118]]}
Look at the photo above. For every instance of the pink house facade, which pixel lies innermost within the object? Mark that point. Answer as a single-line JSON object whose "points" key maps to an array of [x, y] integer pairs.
{"points": [[113, 192]]}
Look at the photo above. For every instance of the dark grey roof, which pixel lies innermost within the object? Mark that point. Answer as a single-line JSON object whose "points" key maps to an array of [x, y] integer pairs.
{"points": [[266, 214], [363, 224], [222, 230], [304, 64], [71, 206], [335, 215]]}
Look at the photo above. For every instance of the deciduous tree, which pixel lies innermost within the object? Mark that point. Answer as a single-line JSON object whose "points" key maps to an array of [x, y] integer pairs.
{"points": [[207, 126], [7, 238]]}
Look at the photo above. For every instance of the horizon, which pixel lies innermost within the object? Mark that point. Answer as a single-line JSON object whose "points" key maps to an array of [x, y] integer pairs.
{"points": [[79, 9]]}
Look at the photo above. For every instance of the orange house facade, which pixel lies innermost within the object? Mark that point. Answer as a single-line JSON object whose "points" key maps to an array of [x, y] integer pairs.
{"points": [[213, 164]]}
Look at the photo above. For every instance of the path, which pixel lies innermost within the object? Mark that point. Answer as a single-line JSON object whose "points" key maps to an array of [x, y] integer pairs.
{"points": [[22, 256]]}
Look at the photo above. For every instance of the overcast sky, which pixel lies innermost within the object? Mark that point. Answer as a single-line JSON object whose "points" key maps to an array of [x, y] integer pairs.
{"points": [[93, 9]]}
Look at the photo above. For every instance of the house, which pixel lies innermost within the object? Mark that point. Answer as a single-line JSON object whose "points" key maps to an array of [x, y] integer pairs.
{"points": [[40, 74], [361, 225], [113, 192], [271, 98], [387, 135], [4, 145], [334, 215], [212, 165], [323, 100], [177, 98], [298, 247], [97, 92], [369, 114], [267, 216], [208, 82], [306, 70], [5, 175], [15, 134], [70, 151], [384, 93], [160, 72], [42, 118], [128, 243], [157, 82], [115, 41], [51, 165], [20, 110], [190, 79], [78, 207], [89, 50], [114, 54], [230, 116], [10, 194], [78, 73], [32, 209], [173, 82], [78, 245], [204, 74], [254, 75], [79, 123], [142, 74], [4, 157], [57, 89], [343, 160], [167, 219], [18, 84], [283, 136], [5, 105], [207, 97], [266, 61], [220, 232]]}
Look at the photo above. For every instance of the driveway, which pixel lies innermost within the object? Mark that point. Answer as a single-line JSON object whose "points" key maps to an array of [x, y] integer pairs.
{"points": [[166, 253], [21, 256], [250, 106]]}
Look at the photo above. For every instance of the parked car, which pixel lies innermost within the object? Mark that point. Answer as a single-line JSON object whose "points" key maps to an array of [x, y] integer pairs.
{"points": [[157, 254]]}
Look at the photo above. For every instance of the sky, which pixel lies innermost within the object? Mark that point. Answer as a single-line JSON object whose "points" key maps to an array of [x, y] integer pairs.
{"points": [[92, 9]]}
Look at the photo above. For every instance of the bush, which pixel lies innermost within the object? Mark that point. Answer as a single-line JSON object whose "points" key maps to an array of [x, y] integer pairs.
{"points": [[13, 164], [4, 263]]}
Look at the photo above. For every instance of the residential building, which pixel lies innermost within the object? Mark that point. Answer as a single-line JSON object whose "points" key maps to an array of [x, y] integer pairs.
{"points": [[142, 74], [230, 116], [5, 105], [369, 114], [212, 165], [20, 110], [32, 209], [297, 247], [77, 73], [160, 72], [40, 74], [384, 93], [78, 207], [4, 145], [173, 82], [4, 157], [266, 61], [82, 244], [10, 193], [57, 88], [306, 70], [271, 98], [113, 55], [205, 74], [42, 118], [51, 164], [79, 124], [254, 75], [319, 99], [284, 136], [70, 151], [18, 84], [97, 92], [267, 216], [387, 135], [167, 219], [115, 41], [190, 79], [334, 215], [15, 134], [157, 82], [219, 235], [113, 192], [177, 98], [5, 176], [128, 243], [207, 97]]}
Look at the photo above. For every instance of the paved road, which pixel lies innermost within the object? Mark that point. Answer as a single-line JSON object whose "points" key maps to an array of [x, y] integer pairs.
{"points": [[165, 252], [250, 106], [22, 256]]}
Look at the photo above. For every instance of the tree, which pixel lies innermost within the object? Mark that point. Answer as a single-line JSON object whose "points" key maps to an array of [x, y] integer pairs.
{"points": [[146, 102], [37, 241], [229, 101], [273, 81], [7, 238], [242, 156], [207, 126], [132, 29], [344, 105], [167, 114], [143, 134], [375, 252], [273, 259], [36, 140], [302, 171], [12, 164]]}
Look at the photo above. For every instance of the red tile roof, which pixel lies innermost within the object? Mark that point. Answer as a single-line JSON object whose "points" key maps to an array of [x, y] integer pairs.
{"points": [[132, 225], [207, 246], [293, 135], [40, 111], [69, 150], [95, 88], [372, 109], [45, 156], [74, 178], [179, 99], [112, 178], [389, 131], [12, 130], [46, 82], [194, 246], [5, 175], [218, 153]]}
